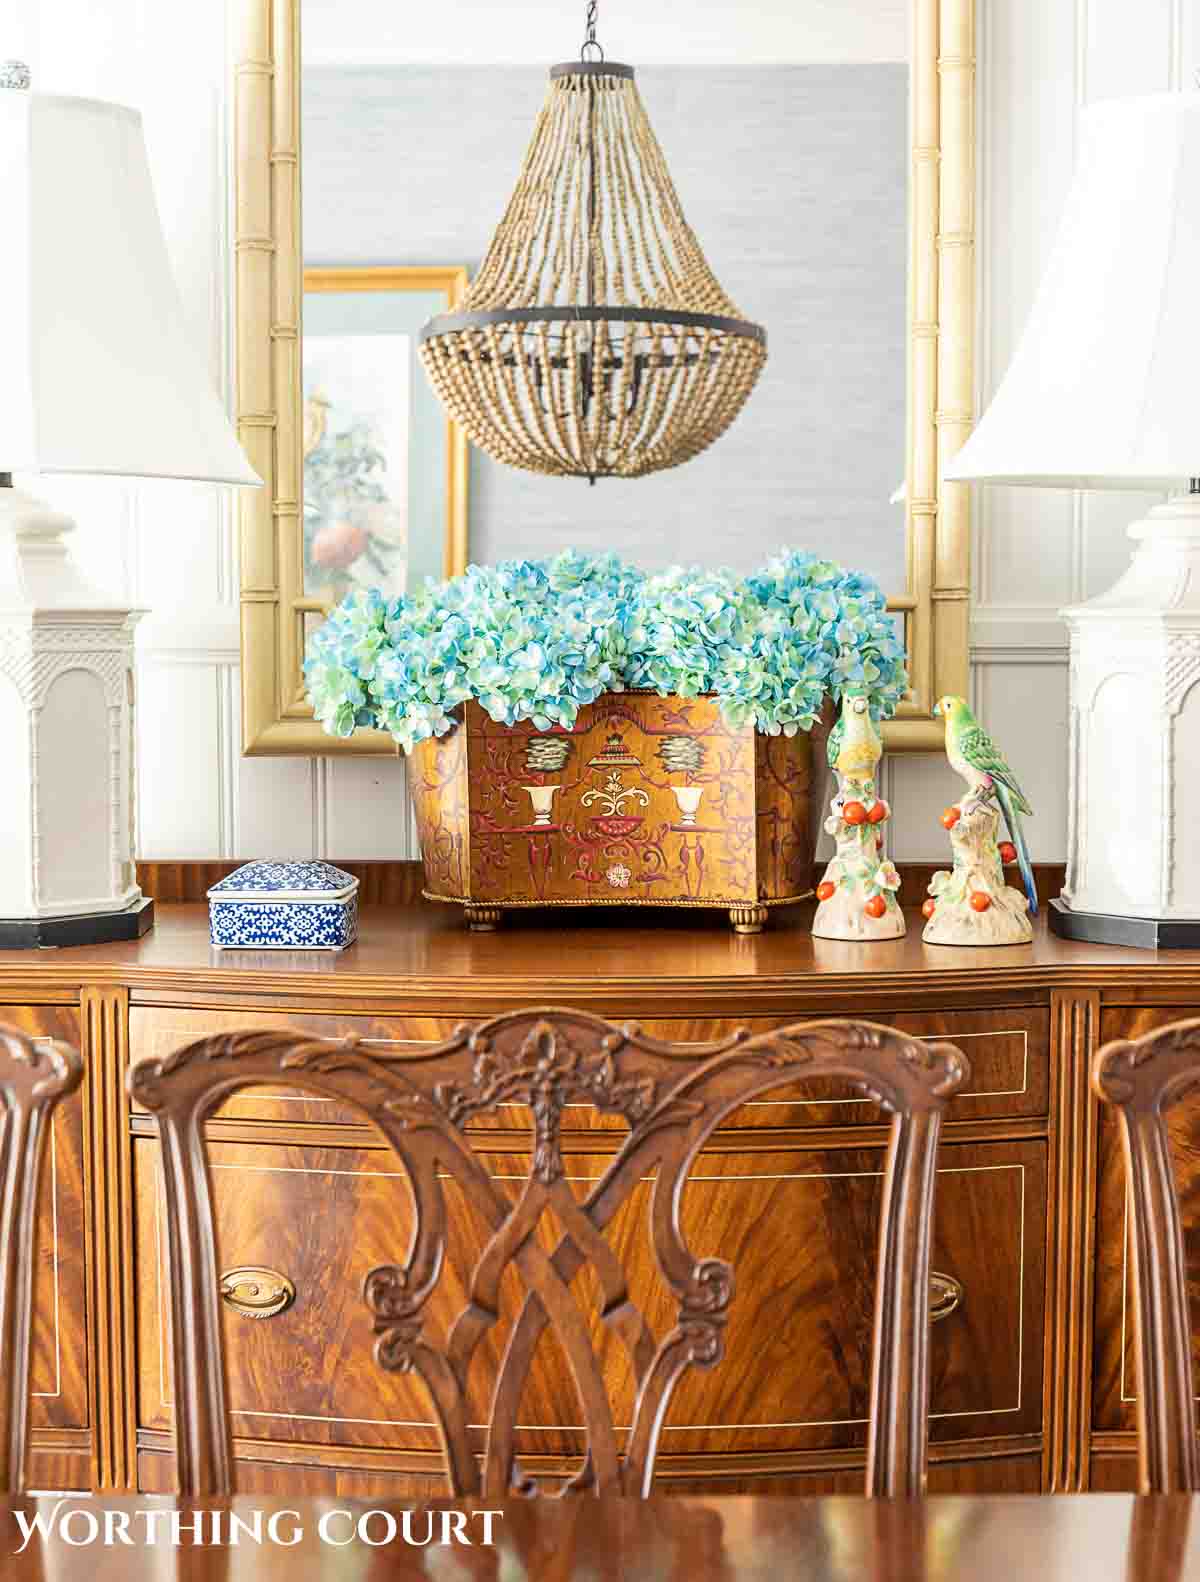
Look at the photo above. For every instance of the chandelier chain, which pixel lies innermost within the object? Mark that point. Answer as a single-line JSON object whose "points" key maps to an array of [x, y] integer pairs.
{"points": [[590, 42]]}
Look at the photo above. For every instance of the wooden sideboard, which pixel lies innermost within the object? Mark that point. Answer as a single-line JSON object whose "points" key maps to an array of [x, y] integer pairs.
{"points": [[1032, 1362]]}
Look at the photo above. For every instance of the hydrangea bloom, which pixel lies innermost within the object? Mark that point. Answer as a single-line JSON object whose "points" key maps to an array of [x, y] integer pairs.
{"points": [[685, 627], [342, 656], [536, 640], [814, 629]]}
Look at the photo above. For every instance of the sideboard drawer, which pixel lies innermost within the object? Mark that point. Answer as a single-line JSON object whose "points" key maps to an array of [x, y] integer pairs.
{"points": [[799, 1226], [1009, 1052]]}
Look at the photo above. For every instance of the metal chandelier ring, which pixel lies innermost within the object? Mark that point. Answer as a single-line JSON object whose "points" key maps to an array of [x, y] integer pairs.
{"points": [[592, 68], [452, 323]]}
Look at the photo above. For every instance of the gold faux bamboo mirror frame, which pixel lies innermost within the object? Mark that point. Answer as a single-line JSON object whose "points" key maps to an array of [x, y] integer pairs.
{"points": [[269, 289]]}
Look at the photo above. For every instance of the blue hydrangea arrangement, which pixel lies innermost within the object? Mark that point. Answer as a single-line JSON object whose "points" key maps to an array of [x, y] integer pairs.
{"points": [[536, 640]]}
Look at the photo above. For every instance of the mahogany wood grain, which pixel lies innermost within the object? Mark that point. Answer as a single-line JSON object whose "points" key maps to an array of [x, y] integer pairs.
{"points": [[672, 1100], [1113, 1473], [34, 1075], [946, 1538], [1141, 1078]]}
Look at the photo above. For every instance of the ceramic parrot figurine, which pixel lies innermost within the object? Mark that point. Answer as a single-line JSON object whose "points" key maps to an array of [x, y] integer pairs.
{"points": [[855, 745], [974, 755]]}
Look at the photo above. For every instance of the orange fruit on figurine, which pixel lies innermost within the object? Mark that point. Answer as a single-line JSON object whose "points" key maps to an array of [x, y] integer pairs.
{"points": [[951, 817], [825, 889], [1008, 852], [854, 813], [980, 900], [929, 907], [877, 813], [876, 906]]}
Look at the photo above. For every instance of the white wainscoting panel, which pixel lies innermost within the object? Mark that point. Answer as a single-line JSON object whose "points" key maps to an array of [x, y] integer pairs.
{"points": [[180, 780], [279, 812], [366, 808]]}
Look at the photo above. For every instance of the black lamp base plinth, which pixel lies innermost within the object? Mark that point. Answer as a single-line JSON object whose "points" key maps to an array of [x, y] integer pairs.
{"points": [[91, 928], [1112, 928]]}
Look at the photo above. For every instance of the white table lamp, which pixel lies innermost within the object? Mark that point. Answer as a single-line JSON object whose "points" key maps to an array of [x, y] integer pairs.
{"points": [[1104, 393], [96, 376]]}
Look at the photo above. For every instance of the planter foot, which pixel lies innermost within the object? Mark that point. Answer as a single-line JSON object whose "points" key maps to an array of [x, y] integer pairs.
{"points": [[748, 919], [483, 919]]}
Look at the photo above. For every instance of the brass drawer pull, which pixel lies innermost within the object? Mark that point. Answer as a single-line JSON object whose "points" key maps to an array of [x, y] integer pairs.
{"points": [[257, 1293], [945, 1294]]}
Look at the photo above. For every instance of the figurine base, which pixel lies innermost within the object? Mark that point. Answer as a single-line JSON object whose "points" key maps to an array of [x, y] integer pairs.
{"points": [[1006, 922], [972, 903], [1110, 928], [841, 918]]}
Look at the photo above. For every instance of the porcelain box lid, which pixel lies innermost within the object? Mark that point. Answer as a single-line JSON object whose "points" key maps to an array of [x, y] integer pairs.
{"points": [[285, 881]]}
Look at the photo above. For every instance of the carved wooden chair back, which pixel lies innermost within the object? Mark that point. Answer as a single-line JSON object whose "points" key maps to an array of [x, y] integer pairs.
{"points": [[1141, 1078], [671, 1097], [34, 1075]]}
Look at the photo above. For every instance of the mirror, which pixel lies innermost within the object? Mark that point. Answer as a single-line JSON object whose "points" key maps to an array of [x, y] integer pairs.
{"points": [[832, 197]]}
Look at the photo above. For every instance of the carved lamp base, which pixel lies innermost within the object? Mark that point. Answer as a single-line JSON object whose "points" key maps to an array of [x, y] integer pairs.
{"points": [[66, 719], [1133, 864]]}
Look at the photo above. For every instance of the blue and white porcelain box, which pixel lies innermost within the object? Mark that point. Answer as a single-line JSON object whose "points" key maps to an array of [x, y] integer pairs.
{"points": [[284, 906]]}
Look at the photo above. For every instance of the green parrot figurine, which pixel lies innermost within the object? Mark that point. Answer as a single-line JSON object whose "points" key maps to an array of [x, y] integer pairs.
{"points": [[974, 755]]}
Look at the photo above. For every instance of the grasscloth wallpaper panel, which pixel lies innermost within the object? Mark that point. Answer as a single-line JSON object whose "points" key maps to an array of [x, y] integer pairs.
{"points": [[793, 178]]}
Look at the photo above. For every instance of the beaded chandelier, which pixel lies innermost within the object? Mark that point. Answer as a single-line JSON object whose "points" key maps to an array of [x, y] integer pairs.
{"points": [[595, 341]]}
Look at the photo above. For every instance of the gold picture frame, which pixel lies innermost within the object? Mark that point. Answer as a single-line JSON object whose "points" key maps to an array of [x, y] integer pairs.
{"points": [[269, 287]]}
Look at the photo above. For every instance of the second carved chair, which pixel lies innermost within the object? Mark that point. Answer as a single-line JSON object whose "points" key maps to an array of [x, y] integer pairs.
{"points": [[34, 1076], [1141, 1078], [671, 1098]]}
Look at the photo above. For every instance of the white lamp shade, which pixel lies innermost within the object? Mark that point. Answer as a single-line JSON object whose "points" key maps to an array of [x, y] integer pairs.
{"points": [[97, 373], [1104, 390]]}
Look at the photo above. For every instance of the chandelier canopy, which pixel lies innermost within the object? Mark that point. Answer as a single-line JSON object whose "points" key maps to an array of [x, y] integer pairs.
{"points": [[595, 341]]}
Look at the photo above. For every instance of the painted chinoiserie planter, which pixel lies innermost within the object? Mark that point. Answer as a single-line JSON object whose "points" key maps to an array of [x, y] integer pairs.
{"points": [[647, 801], [581, 732]]}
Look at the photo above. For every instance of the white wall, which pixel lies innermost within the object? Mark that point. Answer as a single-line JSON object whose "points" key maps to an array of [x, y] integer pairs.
{"points": [[171, 548]]}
